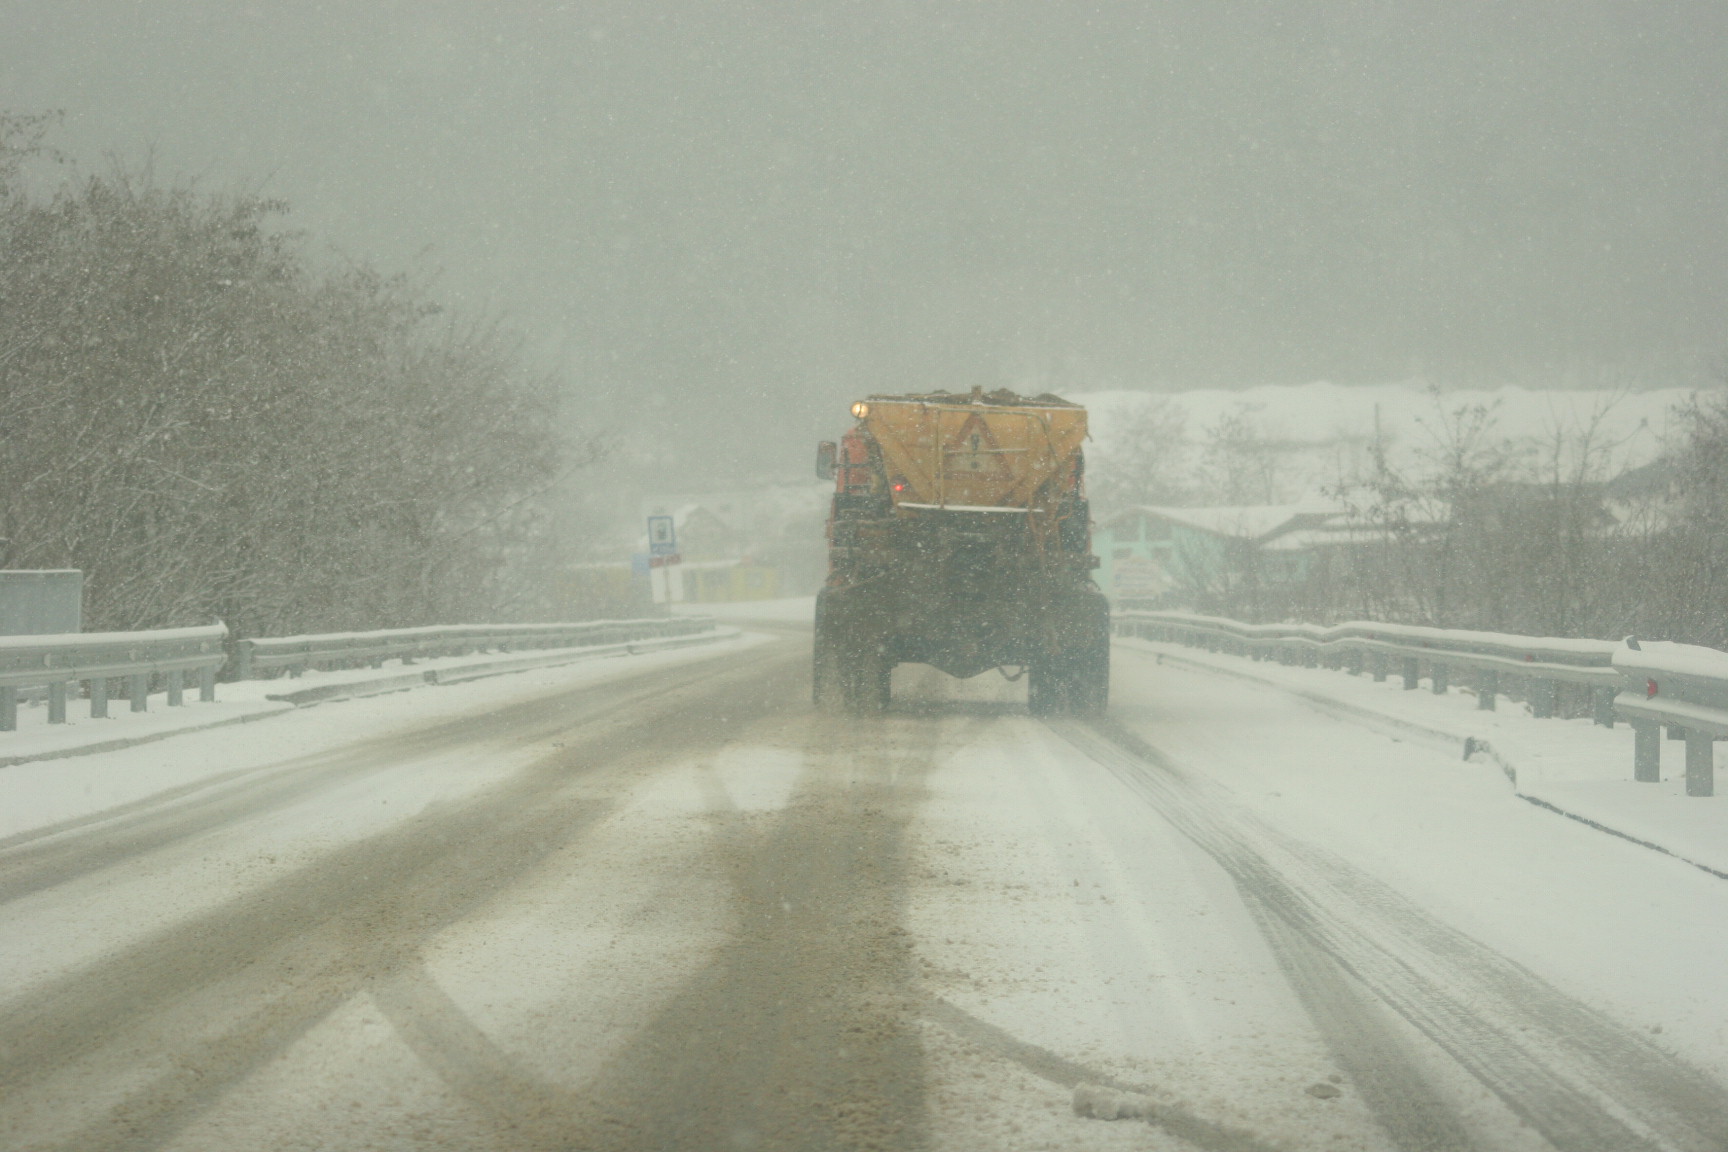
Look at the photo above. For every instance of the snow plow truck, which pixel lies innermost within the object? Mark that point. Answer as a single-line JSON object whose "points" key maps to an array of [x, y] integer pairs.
{"points": [[960, 537]]}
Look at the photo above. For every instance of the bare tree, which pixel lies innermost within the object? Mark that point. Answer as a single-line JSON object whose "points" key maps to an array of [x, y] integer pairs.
{"points": [[1239, 463], [210, 429], [1147, 459]]}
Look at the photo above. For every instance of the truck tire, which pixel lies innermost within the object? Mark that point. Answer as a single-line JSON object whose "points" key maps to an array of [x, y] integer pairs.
{"points": [[849, 671], [1047, 687], [871, 676], [1089, 662], [1074, 677], [828, 688], [1089, 679]]}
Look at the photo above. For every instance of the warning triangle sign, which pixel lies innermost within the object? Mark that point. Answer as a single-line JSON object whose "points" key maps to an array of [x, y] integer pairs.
{"points": [[975, 452]]}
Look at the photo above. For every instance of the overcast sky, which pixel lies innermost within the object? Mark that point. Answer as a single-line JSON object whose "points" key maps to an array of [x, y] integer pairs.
{"points": [[725, 220]]}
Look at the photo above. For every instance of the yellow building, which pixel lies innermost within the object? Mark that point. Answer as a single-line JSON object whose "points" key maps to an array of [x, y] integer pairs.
{"points": [[726, 581]]}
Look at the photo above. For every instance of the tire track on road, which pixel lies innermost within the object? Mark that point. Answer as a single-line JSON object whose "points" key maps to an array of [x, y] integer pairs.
{"points": [[38, 860], [1586, 1083], [125, 1052], [802, 1033]]}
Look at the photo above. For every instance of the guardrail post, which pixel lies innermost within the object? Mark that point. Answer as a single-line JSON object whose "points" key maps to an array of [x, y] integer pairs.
{"points": [[99, 698], [1675, 732], [1377, 661], [243, 660], [1487, 687], [1603, 712], [138, 687], [1646, 751], [57, 702], [1437, 678], [1354, 661], [1412, 673], [176, 686], [207, 684], [1544, 698], [8, 709], [1700, 770]]}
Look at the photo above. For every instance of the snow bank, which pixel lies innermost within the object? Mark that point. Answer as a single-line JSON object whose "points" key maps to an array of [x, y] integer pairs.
{"points": [[1573, 766]]}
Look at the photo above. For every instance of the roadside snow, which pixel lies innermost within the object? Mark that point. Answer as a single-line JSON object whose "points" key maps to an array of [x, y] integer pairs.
{"points": [[794, 610], [245, 700], [1613, 923], [1057, 910], [1576, 766], [47, 792]]}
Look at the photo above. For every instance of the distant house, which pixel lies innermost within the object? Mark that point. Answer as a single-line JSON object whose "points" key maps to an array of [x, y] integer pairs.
{"points": [[716, 563], [702, 534], [778, 526], [1165, 556], [722, 581]]}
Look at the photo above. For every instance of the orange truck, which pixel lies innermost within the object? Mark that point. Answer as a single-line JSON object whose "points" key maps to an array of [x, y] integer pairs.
{"points": [[959, 537]]}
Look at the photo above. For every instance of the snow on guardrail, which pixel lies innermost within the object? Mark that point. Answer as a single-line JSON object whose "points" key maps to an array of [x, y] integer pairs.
{"points": [[63, 664], [1650, 684], [354, 649], [56, 662]]}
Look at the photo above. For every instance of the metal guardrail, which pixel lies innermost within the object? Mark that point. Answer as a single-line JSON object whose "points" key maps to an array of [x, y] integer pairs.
{"points": [[57, 662], [1679, 686], [297, 654]]}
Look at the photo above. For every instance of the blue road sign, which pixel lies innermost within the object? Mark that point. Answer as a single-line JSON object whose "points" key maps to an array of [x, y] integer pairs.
{"points": [[662, 536]]}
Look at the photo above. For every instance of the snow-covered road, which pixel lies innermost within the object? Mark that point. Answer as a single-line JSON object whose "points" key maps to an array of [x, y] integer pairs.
{"points": [[662, 904]]}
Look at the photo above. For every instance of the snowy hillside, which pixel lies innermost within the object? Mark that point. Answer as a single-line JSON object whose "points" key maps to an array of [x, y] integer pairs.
{"points": [[1320, 434]]}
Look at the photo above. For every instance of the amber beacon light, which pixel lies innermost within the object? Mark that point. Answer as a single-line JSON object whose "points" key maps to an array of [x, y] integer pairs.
{"points": [[860, 409]]}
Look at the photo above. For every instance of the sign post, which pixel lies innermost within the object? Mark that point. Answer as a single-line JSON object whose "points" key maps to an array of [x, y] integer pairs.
{"points": [[662, 552]]}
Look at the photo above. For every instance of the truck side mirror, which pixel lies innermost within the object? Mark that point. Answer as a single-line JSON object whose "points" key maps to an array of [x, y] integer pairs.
{"points": [[827, 453]]}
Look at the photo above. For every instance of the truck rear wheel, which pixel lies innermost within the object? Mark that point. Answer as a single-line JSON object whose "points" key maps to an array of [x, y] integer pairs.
{"points": [[1074, 678], [871, 674], [1089, 663], [827, 668], [828, 687], [1047, 687], [1089, 679], [849, 669]]}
